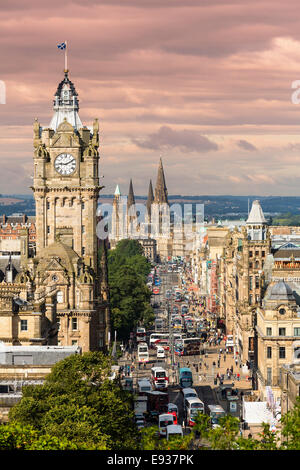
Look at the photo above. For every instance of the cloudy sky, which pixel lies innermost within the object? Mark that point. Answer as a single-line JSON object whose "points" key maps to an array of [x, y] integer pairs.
{"points": [[206, 84]]}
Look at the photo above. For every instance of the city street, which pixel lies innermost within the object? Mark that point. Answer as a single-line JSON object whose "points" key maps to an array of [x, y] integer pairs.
{"points": [[204, 367]]}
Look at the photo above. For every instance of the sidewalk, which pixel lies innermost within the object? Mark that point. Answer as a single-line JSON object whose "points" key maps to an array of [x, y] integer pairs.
{"points": [[206, 375]]}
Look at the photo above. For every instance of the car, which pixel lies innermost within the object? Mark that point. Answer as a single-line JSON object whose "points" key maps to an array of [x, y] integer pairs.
{"points": [[160, 352], [140, 424], [139, 417], [172, 407]]}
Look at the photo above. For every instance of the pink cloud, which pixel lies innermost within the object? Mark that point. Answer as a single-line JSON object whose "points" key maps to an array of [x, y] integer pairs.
{"points": [[210, 73]]}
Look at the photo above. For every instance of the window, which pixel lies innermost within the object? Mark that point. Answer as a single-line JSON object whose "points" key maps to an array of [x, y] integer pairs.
{"points": [[82, 205], [74, 342], [58, 324], [257, 253], [83, 229], [281, 352], [296, 331], [256, 264], [269, 331], [60, 297], [83, 250], [24, 325], [256, 282], [250, 254], [282, 311], [74, 324], [269, 352], [48, 205], [48, 228], [263, 254], [281, 331], [250, 299], [297, 353], [269, 376], [250, 265], [250, 283]]}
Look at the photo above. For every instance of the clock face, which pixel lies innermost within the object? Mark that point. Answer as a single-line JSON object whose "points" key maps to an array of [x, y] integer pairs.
{"points": [[65, 164]]}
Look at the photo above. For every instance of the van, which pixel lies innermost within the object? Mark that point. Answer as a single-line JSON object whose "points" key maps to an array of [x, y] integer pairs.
{"points": [[160, 353], [164, 420], [174, 430]]}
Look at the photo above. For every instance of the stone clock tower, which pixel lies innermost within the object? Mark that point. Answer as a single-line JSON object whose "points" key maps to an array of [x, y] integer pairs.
{"points": [[66, 189]]}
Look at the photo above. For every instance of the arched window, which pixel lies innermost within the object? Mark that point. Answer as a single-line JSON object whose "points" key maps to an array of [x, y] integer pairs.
{"points": [[60, 297]]}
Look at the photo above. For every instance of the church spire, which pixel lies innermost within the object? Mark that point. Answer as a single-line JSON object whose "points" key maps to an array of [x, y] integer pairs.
{"points": [[66, 104], [117, 192], [150, 198], [130, 199], [161, 192]]}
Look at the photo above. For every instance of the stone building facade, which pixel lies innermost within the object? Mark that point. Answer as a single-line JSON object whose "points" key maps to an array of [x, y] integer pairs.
{"points": [[61, 289], [152, 223]]}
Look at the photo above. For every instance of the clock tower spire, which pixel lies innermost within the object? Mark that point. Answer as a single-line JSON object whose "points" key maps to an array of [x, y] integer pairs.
{"points": [[66, 104], [66, 190]]}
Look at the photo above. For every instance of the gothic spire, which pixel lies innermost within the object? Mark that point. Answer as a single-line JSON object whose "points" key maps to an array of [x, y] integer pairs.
{"points": [[130, 199], [161, 192], [150, 198]]}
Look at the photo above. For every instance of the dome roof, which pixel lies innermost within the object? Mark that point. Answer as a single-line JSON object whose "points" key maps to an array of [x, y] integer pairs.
{"points": [[59, 250], [281, 291]]}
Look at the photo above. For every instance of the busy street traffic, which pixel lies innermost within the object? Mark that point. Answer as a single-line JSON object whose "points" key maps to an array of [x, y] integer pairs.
{"points": [[184, 363]]}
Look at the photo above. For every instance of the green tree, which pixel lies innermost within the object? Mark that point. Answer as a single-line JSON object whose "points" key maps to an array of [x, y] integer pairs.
{"points": [[291, 428], [79, 403], [129, 294], [150, 440]]}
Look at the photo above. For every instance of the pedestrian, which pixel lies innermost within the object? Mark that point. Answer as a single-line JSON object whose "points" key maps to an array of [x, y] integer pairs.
{"points": [[224, 357], [238, 376]]}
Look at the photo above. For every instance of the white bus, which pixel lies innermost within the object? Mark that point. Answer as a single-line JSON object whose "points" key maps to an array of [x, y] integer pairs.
{"points": [[143, 353], [156, 337], [193, 407], [141, 335], [215, 412]]}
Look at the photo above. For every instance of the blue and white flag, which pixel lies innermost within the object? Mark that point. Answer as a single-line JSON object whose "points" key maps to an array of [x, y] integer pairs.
{"points": [[62, 45]]}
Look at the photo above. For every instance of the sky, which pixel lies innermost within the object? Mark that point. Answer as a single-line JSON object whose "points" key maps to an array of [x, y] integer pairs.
{"points": [[204, 84]]}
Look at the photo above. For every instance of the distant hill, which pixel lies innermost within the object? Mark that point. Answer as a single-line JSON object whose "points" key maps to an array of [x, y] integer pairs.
{"points": [[224, 206]]}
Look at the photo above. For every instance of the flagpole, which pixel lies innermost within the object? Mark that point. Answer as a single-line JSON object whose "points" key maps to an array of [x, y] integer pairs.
{"points": [[66, 57]]}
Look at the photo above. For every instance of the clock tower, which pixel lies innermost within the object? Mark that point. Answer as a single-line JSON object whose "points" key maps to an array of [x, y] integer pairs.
{"points": [[66, 190]]}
